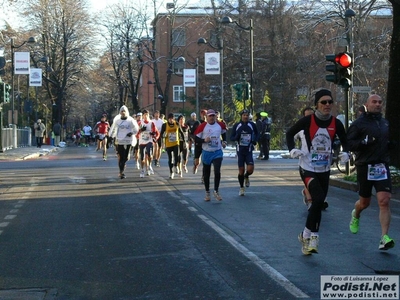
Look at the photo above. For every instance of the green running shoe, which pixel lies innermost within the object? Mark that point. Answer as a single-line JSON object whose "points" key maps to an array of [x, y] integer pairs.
{"points": [[354, 223], [386, 243]]}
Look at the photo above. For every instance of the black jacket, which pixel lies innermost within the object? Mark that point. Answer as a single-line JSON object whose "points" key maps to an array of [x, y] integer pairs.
{"points": [[377, 129]]}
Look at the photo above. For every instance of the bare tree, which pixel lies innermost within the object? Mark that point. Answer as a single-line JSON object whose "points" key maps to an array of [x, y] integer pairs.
{"points": [[65, 40], [124, 32]]}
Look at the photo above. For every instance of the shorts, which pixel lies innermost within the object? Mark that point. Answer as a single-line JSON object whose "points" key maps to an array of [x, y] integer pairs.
{"points": [[148, 148], [365, 185], [245, 157], [209, 156], [159, 142]]}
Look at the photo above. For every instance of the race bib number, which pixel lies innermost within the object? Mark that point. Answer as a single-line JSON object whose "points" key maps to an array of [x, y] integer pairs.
{"points": [[172, 137], [320, 157], [213, 142], [145, 136], [377, 172], [245, 139]]}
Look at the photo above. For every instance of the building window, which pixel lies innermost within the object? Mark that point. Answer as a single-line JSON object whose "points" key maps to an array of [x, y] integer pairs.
{"points": [[178, 37], [179, 93], [178, 67]]}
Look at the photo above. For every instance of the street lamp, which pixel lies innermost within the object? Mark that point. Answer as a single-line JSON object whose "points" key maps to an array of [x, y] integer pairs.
{"points": [[228, 20], [221, 49], [31, 40]]}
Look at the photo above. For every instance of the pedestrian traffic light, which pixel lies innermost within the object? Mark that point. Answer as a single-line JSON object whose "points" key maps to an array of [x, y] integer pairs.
{"points": [[344, 62], [7, 90], [238, 91], [246, 89], [335, 77]]}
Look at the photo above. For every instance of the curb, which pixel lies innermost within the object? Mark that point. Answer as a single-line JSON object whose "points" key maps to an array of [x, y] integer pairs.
{"points": [[41, 152], [343, 184]]}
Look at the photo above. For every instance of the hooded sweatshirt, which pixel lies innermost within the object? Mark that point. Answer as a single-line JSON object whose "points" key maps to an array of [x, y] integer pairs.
{"points": [[124, 130]]}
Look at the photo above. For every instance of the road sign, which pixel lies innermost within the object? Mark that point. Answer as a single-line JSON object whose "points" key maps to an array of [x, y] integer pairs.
{"points": [[362, 89]]}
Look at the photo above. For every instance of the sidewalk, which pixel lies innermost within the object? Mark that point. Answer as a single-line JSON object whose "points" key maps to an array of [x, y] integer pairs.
{"points": [[24, 153]]}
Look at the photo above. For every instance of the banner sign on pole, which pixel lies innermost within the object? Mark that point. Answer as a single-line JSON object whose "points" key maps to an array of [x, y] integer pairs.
{"points": [[212, 63], [35, 77], [22, 63], [189, 77]]}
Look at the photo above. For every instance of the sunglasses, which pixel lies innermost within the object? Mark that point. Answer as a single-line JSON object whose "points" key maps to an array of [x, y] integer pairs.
{"points": [[325, 102]]}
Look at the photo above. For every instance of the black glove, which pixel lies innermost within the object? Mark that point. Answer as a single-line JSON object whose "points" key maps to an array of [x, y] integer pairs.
{"points": [[152, 133], [369, 140], [129, 134], [143, 128]]}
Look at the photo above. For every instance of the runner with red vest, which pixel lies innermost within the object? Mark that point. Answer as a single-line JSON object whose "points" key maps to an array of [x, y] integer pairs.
{"points": [[315, 157]]}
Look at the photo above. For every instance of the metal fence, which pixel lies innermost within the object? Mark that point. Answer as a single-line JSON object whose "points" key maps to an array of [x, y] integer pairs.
{"points": [[13, 137]]}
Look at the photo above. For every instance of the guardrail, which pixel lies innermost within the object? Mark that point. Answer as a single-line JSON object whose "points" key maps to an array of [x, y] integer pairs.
{"points": [[13, 137]]}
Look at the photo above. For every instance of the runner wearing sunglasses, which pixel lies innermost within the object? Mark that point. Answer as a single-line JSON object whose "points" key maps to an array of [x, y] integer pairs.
{"points": [[315, 157]]}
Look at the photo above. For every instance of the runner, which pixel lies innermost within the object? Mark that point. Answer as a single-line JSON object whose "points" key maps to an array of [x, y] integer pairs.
{"points": [[183, 145], [320, 129], [136, 147], [158, 143], [123, 131], [245, 134], [101, 129], [208, 135], [172, 131], [147, 132]]}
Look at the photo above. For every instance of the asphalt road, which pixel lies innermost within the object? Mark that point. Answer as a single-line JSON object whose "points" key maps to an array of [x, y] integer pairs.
{"points": [[70, 229]]}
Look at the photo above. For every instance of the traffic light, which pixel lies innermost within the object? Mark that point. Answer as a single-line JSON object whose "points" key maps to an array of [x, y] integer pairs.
{"points": [[238, 91], [246, 88], [335, 77], [344, 62], [7, 89]]}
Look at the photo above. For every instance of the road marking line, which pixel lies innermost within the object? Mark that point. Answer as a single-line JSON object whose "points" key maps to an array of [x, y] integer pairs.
{"points": [[14, 211], [9, 217], [4, 224], [270, 271], [192, 208]]}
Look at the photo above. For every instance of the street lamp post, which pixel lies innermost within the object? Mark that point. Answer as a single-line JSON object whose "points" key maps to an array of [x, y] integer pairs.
{"points": [[221, 49], [31, 40], [228, 20]]}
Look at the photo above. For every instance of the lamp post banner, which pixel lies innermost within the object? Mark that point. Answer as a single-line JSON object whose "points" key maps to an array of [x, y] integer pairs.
{"points": [[212, 63], [22, 63], [189, 77], [35, 77]]}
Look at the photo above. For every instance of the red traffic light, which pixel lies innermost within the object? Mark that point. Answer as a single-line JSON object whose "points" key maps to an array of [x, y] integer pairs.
{"points": [[343, 59]]}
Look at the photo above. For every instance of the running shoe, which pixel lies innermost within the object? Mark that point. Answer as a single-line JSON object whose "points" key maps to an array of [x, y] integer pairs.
{"points": [[325, 205], [105, 157], [247, 181], [158, 163], [172, 175], [142, 174], [217, 196], [386, 243], [207, 197], [241, 191], [304, 244], [195, 169], [151, 171], [354, 223], [148, 172], [313, 244], [122, 175], [176, 170], [185, 169], [137, 165]]}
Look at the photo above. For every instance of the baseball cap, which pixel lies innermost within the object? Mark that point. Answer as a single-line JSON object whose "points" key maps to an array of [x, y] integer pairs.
{"points": [[193, 114], [138, 114], [210, 112]]}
